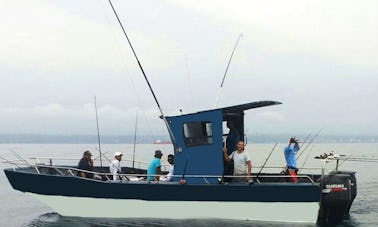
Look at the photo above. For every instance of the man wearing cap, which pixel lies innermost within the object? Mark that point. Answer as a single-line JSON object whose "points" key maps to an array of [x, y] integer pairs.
{"points": [[154, 168], [115, 166], [86, 163]]}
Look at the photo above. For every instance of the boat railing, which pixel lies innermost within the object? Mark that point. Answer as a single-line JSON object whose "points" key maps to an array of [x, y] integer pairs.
{"points": [[140, 164], [127, 162], [99, 176]]}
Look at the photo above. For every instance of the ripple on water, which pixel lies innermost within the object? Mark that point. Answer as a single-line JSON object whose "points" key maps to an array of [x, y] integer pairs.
{"points": [[54, 220]]}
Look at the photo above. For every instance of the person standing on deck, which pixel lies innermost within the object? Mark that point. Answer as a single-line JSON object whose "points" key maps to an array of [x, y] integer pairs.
{"points": [[232, 139], [115, 166], [242, 162], [290, 157], [154, 168], [85, 163]]}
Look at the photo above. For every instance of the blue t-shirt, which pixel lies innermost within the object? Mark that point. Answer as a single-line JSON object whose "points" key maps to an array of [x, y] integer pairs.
{"points": [[152, 169], [290, 155]]}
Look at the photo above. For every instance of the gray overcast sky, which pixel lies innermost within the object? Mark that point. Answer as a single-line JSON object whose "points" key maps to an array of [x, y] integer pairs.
{"points": [[320, 58]]}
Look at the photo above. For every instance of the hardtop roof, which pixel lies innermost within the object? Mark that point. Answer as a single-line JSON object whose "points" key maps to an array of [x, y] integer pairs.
{"points": [[241, 107]]}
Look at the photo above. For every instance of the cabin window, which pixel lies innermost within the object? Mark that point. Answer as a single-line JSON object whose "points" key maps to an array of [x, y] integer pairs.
{"points": [[198, 133]]}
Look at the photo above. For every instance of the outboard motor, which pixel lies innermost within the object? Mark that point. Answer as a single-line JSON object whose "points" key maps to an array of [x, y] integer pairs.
{"points": [[339, 189]]}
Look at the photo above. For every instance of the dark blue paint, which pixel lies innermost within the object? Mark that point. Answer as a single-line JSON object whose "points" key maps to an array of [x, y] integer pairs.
{"points": [[81, 187], [198, 160]]}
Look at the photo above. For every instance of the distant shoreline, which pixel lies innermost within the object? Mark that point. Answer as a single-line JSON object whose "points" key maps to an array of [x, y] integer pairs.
{"points": [[149, 139]]}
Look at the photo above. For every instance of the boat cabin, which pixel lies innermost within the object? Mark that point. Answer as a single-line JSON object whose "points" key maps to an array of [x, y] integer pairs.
{"points": [[198, 140]]}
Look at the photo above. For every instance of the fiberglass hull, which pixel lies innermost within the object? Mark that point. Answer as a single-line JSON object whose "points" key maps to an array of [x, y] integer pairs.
{"points": [[75, 196]]}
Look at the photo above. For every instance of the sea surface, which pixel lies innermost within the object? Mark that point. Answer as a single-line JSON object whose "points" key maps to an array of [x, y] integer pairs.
{"points": [[18, 209]]}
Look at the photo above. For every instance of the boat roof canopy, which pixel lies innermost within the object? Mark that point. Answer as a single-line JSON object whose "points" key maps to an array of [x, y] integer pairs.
{"points": [[247, 106], [240, 108]]}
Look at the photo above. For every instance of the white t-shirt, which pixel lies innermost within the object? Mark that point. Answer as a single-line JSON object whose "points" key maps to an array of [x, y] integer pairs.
{"points": [[240, 162], [168, 177], [115, 167]]}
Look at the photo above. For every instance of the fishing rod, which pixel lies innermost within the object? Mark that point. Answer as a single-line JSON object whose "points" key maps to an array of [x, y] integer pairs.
{"points": [[225, 72], [98, 132], [97, 157], [145, 77], [307, 157], [310, 142], [8, 161], [305, 140], [362, 158], [20, 157], [135, 135], [266, 160], [103, 154]]}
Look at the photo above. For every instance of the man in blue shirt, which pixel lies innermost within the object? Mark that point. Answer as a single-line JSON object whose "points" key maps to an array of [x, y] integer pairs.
{"points": [[154, 168], [291, 159]]}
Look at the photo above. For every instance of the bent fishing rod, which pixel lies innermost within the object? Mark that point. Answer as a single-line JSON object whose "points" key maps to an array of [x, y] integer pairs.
{"points": [[225, 72], [145, 77]]}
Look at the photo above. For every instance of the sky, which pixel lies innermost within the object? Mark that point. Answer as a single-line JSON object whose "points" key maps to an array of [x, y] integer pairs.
{"points": [[319, 58]]}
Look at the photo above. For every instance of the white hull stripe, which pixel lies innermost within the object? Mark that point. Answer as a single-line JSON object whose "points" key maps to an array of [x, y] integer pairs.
{"points": [[128, 208]]}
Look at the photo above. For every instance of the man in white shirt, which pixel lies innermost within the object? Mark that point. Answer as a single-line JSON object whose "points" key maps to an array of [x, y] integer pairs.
{"points": [[168, 177], [115, 166], [242, 162]]}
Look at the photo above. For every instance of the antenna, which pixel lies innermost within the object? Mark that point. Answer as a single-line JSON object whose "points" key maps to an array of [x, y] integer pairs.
{"points": [[98, 131], [145, 77], [225, 72]]}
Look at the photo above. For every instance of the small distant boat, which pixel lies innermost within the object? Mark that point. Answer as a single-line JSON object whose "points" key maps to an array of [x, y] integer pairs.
{"points": [[162, 142]]}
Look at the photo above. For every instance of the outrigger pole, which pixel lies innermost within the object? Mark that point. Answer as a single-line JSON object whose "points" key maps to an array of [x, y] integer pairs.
{"points": [[98, 132], [145, 77], [225, 72]]}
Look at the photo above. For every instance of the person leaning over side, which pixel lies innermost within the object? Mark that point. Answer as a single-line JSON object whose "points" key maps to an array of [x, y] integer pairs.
{"points": [[115, 166], [154, 168], [85, 163], [242, 162]]}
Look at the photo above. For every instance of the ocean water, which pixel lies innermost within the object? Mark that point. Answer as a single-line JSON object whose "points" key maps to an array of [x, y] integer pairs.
{"points": [[18, 209]]}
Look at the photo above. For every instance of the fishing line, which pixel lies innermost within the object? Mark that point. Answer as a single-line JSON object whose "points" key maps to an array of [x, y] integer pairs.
{"points": [[121, 55], [145, 77], [225, 72], [310, 142]]}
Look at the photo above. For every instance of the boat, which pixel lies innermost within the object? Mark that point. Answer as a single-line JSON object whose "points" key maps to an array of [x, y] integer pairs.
{"points": [[196, 189], [162, 142]]}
